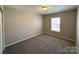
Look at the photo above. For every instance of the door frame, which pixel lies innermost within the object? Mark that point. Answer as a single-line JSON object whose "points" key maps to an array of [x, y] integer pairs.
{"points": [[3, 37]]}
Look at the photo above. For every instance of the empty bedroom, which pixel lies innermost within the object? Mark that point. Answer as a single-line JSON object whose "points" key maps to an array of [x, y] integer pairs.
{"points": [[40, 29]]}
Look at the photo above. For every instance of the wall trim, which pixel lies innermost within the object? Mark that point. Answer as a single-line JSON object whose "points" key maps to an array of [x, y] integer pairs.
{"points": [[37, 35], [22, 40], [61, 37]]}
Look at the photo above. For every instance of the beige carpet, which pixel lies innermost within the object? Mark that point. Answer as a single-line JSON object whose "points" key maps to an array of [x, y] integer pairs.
{"points": [[42, 44]]}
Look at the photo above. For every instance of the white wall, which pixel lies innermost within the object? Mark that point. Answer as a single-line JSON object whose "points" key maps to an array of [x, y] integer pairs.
{"points": [[20, 25], [78, 27]]}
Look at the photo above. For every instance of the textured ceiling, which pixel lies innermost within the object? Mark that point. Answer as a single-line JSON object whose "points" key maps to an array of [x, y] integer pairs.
{"points": [[35, 8]]}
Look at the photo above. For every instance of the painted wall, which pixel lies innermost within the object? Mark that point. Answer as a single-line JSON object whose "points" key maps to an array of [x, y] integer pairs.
{"points": [[67, 27], [20, 25]]}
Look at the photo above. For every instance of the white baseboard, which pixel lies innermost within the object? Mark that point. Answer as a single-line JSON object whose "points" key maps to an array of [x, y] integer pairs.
{"points": [[37, 35], [22, 40], [61, 37], [77, 51]]}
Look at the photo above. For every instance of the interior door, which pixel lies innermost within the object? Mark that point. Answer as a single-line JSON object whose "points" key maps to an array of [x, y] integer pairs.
{"points": [[1, 46]]}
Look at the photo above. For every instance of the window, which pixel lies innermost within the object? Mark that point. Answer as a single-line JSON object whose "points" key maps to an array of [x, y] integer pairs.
{"points": [[55, 24]]}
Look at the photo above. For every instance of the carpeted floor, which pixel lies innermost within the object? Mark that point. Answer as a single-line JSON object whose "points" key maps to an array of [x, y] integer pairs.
{"points": [[42, 44]]}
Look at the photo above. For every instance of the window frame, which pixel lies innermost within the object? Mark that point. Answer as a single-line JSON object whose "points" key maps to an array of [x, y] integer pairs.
{"points": [[59, 24]]}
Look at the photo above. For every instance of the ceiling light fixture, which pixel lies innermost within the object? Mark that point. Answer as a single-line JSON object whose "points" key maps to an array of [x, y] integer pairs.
{"points": [[44, 8]]}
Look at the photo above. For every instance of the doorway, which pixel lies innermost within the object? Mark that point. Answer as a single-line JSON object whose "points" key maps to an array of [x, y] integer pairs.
{"points": [[1, 41]]}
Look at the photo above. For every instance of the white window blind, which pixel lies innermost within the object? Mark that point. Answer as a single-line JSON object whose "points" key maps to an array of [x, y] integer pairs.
{"points": [[55, 24]]}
